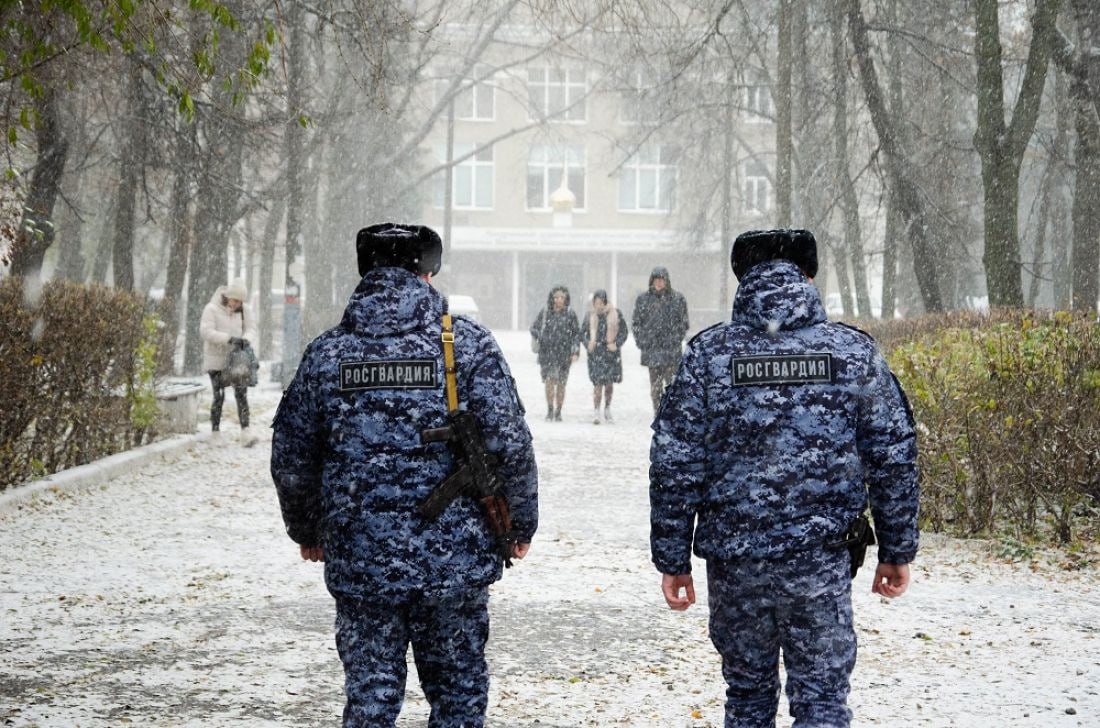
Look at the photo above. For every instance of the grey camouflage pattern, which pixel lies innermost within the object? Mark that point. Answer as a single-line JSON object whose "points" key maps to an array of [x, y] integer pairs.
{"points": [[761, 473], [350, 468], [801, 603], [448, 634], [771, 469]]}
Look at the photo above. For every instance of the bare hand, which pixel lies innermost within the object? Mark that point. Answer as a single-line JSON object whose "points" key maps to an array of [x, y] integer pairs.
{"points": [[312, 553], [670, 587], [612, 347], [519, 550], [891, 580]]}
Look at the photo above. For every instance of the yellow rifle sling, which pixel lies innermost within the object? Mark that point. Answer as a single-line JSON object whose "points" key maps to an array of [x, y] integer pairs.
{"points": [[449, 363]]}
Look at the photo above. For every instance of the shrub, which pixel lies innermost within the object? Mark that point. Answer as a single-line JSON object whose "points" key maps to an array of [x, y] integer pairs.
{"points": [[77, 381], [1008, 412]]}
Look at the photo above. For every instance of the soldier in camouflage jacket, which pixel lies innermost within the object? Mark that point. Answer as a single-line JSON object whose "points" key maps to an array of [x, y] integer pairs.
{"points": [[350, 469], [777, 429]]}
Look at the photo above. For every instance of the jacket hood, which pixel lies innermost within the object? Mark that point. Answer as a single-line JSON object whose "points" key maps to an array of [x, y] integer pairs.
{"points": [[660, 272], [776, 296], [550, 297], [391, 301], [217, 297]]}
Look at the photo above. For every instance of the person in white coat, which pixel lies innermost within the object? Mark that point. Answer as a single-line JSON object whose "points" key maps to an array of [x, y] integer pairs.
{"points": [[226, 322]]}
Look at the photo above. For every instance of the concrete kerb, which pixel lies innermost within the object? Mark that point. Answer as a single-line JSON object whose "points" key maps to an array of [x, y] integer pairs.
{"points": [[100, 471]]}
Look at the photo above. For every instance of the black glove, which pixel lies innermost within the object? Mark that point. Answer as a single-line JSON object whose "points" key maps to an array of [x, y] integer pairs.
{"points": [[237, 341]]}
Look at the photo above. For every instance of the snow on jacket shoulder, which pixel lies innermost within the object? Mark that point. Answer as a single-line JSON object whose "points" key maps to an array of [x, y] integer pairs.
{"points": [[777, 428], [347, 457]]}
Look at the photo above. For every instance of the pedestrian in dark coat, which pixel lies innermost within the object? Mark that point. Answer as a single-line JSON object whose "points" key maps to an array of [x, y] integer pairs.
{"points": [[777, 430], [351, 468], [660, 322], [557, 333], [603, 334]]}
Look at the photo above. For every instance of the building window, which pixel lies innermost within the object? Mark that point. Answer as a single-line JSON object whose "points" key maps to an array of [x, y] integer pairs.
{"points": [[647, 182], [557, 94], [472, 179], [545, 165], [474, 100], [639, 102], [758, 104], [757, 189]]}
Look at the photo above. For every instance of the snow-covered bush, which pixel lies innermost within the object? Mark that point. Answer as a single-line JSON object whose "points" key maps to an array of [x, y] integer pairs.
{"points": [[1008, 412], [76, 361]]}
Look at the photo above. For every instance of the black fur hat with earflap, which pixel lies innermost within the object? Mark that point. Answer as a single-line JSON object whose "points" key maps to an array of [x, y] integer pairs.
{"points": [[759, 246], [415, 248]]}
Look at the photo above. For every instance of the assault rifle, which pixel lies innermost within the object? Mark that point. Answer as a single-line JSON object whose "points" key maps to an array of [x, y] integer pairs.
{"points": [[475, 476]]}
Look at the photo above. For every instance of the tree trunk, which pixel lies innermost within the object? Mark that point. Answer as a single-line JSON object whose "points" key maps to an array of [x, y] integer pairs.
{"points": [[1085, 246], [783, 140], [70, 223], [295, 153], [893, 215], [725, 235], [218, 191], [1000, 178], [179, 229], [1087, 15], [36, 229], [1001, 145], [839, 255], [101, 260], [1038, 250], [902, 177], [1086, 202], [179, 249], [267, 272], [849, 201], [132, 151]]}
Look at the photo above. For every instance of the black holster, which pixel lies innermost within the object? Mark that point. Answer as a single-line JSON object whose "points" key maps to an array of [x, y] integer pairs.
{"points": [[859, 535]]}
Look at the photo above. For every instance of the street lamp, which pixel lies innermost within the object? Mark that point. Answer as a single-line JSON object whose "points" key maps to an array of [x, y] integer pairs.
{"points": [[562, 201]]}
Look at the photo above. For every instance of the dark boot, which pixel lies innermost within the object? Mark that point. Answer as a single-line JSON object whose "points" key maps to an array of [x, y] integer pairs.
{"points": [[216, 404]]}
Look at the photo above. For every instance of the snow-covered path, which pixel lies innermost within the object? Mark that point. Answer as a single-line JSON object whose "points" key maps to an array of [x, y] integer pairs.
{"points": [[172, 597]]}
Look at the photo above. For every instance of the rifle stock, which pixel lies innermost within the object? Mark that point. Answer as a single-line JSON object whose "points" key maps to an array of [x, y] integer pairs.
{"points": [[475, 475]]}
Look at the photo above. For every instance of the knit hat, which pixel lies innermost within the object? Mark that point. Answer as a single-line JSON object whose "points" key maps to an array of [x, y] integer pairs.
{"points": [[416, 248], [759, 246], [236, 290]]}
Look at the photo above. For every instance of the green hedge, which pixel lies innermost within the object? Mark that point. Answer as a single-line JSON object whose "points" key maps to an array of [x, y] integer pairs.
{"points": [[78, 376], [1008, 413]]}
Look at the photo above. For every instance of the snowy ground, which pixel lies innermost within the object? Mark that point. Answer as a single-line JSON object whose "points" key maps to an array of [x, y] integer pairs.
{"points": [[171, 597]]}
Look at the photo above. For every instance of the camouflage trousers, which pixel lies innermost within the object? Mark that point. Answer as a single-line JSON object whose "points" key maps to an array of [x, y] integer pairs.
{"points": [[448, 635], [801, 604]]}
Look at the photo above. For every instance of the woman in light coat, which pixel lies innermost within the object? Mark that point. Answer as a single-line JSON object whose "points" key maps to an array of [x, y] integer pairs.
{"points": [[603, 334], [226, 322]]}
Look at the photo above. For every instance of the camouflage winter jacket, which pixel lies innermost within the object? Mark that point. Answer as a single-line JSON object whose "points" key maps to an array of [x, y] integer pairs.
{"points": [[347, 457], [777, 427]]}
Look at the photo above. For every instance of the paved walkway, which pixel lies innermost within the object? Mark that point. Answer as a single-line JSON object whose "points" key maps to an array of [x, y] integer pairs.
{"points": [[170, 596]]}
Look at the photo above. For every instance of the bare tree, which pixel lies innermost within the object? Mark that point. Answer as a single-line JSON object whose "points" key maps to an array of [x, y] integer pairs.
{"points": [[36, 229], [1001, 145], [849, 200], [902, 177]]}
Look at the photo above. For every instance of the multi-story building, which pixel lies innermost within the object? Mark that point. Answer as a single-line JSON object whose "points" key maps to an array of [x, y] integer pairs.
{"points": [[576, 196]]}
